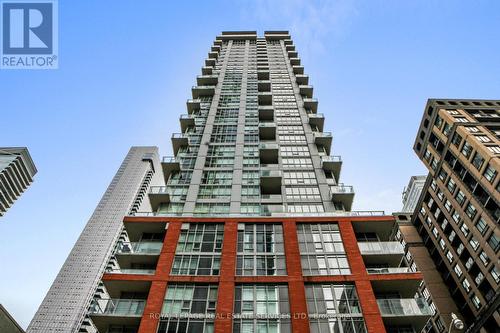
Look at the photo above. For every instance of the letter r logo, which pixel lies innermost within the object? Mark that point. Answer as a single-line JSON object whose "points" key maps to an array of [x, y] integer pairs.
{"points": [[27, 28]]}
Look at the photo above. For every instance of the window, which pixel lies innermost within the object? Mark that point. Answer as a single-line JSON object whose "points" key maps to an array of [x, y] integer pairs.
{"points": [[261, 308], [260, 250], [482, 226], [322, 250], [458, 270], [470, 211], [474, 243], [449, 256], [456, 140], [466, 285], [477, 161], [465, 229], [484, 258], [451, 185], [466, 149], [494, 242], [181, 298], [494, 149], [477, 303], [472, 129], [334, 308], [460, 197], [483, 138], [495, 273], [490, 173]]}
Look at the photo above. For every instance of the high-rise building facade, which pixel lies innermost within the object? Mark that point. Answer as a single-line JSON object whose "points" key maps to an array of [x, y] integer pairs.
{"points": [[251, 230], [458, 213], [16, 174], [65, 305]]}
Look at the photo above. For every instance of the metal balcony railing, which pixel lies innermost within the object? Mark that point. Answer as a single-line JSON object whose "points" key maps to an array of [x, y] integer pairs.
{"points": [[404, 307]]}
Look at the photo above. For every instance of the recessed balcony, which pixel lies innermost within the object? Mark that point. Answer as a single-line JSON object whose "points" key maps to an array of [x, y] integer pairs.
{"points": [[316, 120], [288, 42], [158, 195], [186, 120], [293, 54], [267, 131], [123, 312], [268, 153], [218, 42], [343, 194], [405, 311], [298, 69], [139, 248], [390, 253], [264, 86], [207, 80], [169, 164], [306, 91], [207, 70], [265, 98], [323, 139], [290, 47], [302, 79], [270, 181], [216, 48], [266, 113], [210, 62], [263, 74], [179, 140], [199, 91], [295, 61], [332, 164], [193, 105], [311, 104], [213, 55]]}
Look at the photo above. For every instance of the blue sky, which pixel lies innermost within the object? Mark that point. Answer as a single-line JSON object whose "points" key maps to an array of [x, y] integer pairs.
{"points": [[125, 72]]}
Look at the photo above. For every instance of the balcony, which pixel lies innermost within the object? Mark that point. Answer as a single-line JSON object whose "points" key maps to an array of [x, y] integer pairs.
{"points": [[298, 69], [288, 42], [139, 248], [266, 112], [390, 253], [271, 198], [405, 311], [186, 120], [199, 91], [179, 140], [270, 181], [264, 86], [316, 120], [107, 312], [265, 98], [268, 153], [267, 131], [302, 79], [311, 104], [158, 195], [263, 74], [295, 61], [306, 90], [169, 164], [207, 80], [343, 194], [332, 164], [292, 54], [210, 62], [290, 47], [389, 270], [324, 140], [132, 271], [216, 48], [206, 70], [213, 55], [193, 105]]}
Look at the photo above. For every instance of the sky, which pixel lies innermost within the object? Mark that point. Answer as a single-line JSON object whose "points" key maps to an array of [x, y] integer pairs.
{"points": [[125, 72]]}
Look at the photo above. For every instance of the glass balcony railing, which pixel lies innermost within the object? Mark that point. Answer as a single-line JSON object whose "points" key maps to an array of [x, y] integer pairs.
{"points": [[389, 270], [404, 307], [139, 271], [117, 307], [341, 189], [381, 248], [159, 190], [140, 248], [331, 158]]}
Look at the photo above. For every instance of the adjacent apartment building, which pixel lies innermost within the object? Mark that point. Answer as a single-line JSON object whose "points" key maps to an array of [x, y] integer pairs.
{"points": [[248, 229], [16, 174], [458, 213]]}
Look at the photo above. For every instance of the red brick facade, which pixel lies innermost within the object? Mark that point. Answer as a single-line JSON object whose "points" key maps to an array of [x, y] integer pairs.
{"points": [[294, 279]]}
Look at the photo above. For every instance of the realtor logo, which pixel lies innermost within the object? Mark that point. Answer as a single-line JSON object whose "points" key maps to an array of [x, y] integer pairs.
{"points": [[29, 34]]}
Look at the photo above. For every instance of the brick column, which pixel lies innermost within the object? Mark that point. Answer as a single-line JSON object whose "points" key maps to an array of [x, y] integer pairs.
{"points": [[367, 300], [152, 311], [225, 298], [296, 291]]}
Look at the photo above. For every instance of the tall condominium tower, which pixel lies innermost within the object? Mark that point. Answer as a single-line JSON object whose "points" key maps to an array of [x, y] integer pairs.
{"points": [[458, 213], [16, 174], [251, 230], [66, 303]]}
